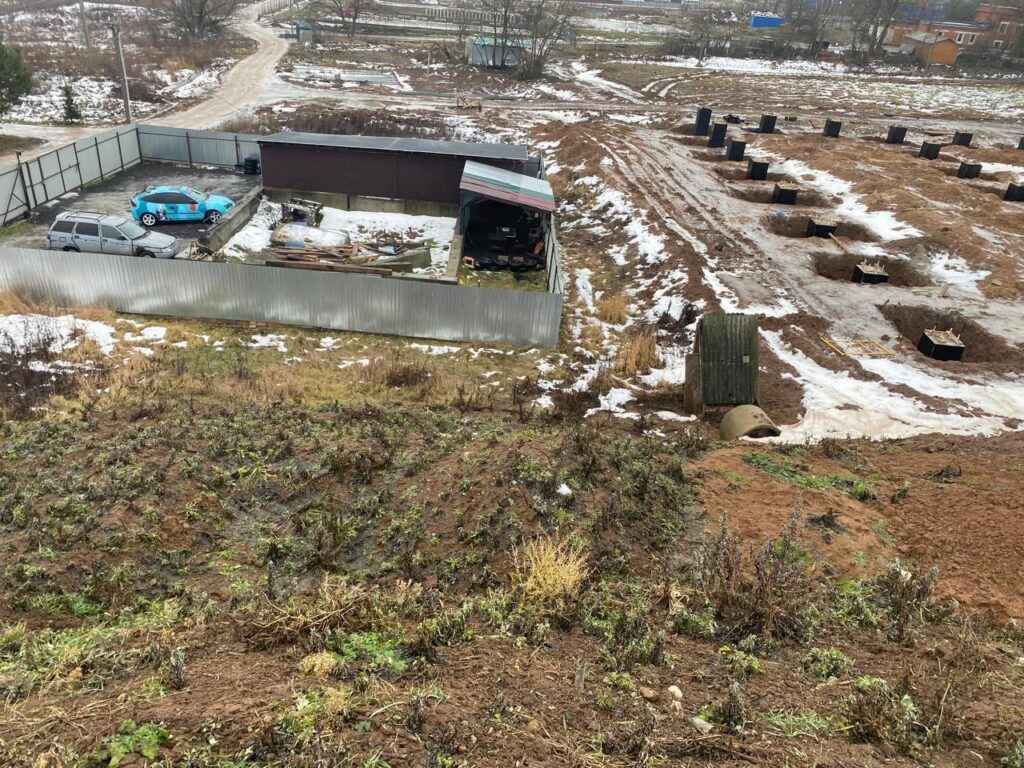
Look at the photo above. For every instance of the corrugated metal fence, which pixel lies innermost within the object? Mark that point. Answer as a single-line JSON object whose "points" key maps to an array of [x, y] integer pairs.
{"points": [[295, 297], [232, 292], [178, 145], [30, 184]]}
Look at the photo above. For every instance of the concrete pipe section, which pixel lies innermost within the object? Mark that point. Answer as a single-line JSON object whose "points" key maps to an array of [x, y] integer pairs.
{"points": [[747, 421]]}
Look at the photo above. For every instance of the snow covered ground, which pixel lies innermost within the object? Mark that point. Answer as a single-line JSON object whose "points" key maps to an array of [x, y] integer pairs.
{"points": [[339, 227]]}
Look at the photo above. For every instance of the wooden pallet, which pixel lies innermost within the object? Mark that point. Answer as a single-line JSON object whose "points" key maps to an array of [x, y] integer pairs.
{"points": [[854, 346]]}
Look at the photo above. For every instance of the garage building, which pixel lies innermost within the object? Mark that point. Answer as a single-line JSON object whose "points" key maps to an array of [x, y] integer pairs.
{"points": [[400, 169]]}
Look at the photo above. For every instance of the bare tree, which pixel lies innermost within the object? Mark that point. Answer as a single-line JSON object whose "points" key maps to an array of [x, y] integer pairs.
{"points": [[545, 23], [347, 10], [200, 18], [501, 27]]}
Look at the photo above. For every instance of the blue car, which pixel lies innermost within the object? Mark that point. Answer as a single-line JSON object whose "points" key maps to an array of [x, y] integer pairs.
{"points": [[160, 204]]}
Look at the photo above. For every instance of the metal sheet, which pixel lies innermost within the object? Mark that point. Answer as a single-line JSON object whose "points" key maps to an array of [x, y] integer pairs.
{"points": [[294, 297]]}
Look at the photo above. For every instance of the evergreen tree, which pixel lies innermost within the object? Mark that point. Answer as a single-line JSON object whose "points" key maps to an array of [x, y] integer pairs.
{"points": [[72, 114], [15, 79]]}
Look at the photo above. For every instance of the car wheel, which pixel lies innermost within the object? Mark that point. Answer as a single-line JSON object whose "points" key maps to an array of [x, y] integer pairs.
{"points": [[212, 217], [70, 248], [148, 220], [145, 255]]}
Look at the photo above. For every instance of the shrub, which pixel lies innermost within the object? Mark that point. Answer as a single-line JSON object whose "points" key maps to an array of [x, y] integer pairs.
{"points": [[826, 663], [698, 624], [739, 664], [767, 592], [875, 712], [549, 573], [1015, 757], [908, 590]]}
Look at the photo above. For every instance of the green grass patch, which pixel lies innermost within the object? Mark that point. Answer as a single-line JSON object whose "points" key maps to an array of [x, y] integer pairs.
{"points": [[785, 470]]}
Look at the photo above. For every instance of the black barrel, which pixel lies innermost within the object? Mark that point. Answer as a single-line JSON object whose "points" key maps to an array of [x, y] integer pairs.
{"points": [[962, 139], [832, 128], [767, 124], [968, 170], [929, 150], [717, 138], [700, 128], [897, 134], [734, 149], [757, 170], [784, 194]]}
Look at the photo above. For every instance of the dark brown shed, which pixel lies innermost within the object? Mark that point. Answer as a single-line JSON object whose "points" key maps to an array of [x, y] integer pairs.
{"points": [[372, 166]]}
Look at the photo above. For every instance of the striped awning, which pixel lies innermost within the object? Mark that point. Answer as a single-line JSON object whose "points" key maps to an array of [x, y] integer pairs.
{"points": [[506, 186]]}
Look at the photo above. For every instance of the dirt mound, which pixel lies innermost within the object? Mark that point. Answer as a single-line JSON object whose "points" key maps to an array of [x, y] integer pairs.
{"points": [[840, 266]]}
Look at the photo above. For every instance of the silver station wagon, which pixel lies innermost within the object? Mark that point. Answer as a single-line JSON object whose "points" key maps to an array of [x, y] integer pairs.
{"points": [[103, 233]]}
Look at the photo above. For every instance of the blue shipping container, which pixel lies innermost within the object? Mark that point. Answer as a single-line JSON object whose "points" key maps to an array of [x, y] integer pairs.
{"points": [[762, 21]]}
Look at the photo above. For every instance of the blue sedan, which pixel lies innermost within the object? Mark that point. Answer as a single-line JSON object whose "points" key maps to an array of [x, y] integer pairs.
{"points": [[160, 204]]}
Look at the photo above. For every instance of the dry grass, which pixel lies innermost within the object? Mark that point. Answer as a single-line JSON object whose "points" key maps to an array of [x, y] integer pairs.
{"points": [[614, 309], [549, 573], [320, 664], [638, 352]]}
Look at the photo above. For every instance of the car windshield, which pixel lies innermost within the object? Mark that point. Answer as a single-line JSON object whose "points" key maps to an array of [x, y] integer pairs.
{"points": [[131, 230], [199, 196]]}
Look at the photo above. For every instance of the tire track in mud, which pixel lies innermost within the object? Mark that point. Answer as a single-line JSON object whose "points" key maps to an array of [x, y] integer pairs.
{"points": [[657, 169]]}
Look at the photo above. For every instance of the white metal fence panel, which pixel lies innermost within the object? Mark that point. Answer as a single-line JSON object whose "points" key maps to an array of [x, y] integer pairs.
{"points": [[12, 194], [290, 296], [54, 173]]}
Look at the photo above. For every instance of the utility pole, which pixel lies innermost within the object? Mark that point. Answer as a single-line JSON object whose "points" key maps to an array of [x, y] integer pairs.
{"points": [[115, 30], [85, 25]]}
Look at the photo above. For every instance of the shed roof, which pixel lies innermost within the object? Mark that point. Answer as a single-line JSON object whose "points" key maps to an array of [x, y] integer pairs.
{"points": [[389, 144], [928, 38], [728, 348], [499, 184]]}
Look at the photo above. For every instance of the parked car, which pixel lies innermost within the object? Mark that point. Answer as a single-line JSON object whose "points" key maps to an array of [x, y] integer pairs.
{"points": [[159, 204], [103, 233]]}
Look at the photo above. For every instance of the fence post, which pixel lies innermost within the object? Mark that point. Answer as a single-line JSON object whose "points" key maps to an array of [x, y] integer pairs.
{"points": [[188, 148], [238, 152], [120, 154], [99, 160], [60, 167]]}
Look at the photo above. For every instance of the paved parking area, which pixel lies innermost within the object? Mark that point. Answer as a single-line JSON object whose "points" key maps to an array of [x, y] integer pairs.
{"points": [[114, 196]]}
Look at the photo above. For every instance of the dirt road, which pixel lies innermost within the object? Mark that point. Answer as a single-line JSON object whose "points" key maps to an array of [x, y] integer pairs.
{"points": [[243, 83]]}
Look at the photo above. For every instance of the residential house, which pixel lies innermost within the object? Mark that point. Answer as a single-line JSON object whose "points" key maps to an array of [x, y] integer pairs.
{"points": [[1004, 21], [930, 48]]}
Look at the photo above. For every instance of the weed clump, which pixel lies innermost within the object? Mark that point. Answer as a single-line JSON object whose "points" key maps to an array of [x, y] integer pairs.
{"points": [[826, 663], [549, 574], [766, 592], [738, 663], [908, 590], [877, 712]]}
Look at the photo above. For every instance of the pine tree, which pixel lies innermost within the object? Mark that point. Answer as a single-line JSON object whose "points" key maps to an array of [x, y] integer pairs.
{"points": [[72, 114], [15, 79]]}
